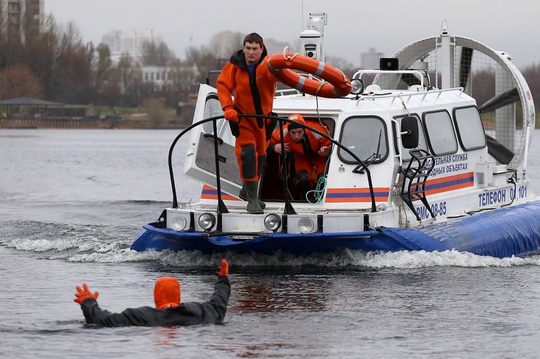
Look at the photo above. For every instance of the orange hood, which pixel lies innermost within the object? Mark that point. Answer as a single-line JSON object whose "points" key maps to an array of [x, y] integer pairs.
{"points": [[167, 292], [298, 119]]}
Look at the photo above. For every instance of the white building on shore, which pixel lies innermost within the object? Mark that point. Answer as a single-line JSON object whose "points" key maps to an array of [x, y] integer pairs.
{"points": [[130, 42]]}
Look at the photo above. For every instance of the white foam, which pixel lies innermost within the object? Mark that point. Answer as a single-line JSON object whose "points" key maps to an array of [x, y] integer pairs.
{"points": [[94, 250]]}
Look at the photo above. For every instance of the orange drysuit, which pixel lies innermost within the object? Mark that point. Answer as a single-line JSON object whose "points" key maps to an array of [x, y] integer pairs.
{"points": [[306, 157], [248, 93]]}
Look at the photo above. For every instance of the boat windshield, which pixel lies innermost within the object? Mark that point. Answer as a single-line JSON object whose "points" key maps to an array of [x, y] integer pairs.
{"points": [[366, 137]]}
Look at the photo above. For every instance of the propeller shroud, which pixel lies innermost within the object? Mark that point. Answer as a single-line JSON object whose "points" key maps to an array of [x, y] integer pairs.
{"points": [[503, 96]]}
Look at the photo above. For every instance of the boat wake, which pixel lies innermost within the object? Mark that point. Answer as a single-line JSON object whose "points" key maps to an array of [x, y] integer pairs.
{"points": [[105, 244]]}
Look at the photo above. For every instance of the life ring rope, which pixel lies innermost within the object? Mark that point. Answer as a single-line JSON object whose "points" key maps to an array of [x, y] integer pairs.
{"points": [[320, 87], [288, 55], [333, 81]]}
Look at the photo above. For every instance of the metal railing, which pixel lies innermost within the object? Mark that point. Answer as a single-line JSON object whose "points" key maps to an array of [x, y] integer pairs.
{"points": [[288, 209]]}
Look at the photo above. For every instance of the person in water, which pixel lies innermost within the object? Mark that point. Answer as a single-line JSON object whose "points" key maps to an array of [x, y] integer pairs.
{"points": [[246, 86], [310, 150], [169, 310]]}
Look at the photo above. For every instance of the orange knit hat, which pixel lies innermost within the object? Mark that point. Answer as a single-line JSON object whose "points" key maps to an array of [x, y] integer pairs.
{"points": [[167, 292]]}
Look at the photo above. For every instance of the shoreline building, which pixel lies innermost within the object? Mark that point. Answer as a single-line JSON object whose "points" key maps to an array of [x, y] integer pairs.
{"points": [[21, 19], [370, 59], [130, 42]]}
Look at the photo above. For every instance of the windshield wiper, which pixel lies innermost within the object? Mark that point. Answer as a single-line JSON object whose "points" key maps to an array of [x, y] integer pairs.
{"points": [[368, 161]]}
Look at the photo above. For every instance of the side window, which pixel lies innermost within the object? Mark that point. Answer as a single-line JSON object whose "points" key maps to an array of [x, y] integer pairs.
{"points": [[469, 128], [366, 137], [212, 108], [421, 139], [440, 133]]}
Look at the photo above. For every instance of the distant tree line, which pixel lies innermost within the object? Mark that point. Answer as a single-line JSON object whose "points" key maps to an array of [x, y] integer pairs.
{"points": [[531, 74], [57, 65]]}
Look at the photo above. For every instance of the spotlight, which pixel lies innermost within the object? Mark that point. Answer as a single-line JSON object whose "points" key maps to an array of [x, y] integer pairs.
{"points": [[207, 221], [177, 223], [272, 222], [305, 225]]}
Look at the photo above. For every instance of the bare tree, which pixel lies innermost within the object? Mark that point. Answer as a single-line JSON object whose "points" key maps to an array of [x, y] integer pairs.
{"points": [[107, 77], [155, 110], [71, 79], [203, 61], [156, 54], [19, 81], [483, 83], [532, 75]]}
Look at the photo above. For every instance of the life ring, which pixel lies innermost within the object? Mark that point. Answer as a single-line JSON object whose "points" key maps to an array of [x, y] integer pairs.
{"points": [[335, 83]]}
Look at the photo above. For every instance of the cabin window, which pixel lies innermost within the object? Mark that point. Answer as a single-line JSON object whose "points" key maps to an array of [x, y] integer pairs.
{"points": [[440, 133], [421, 139], [212, 108], [469, 128], [366, 137]]}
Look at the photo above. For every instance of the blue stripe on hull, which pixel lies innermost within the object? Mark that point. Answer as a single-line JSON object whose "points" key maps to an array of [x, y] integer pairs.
{"points": [[506, 232], [511, 231]]}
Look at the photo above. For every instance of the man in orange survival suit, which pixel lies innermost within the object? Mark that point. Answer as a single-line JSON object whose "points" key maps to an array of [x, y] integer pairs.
{"points": [[169, 310], [246, 86], [310, 150]]}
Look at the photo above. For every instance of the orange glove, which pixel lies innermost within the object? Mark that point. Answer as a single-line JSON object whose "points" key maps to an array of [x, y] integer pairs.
{"points": [[84, 294], [223, 269], [231, 115]]}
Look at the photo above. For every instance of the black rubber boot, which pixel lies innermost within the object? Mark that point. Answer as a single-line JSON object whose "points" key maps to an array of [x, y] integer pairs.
{"points": [[253, 205], [303, 184], [243, 195], [304, 188]]}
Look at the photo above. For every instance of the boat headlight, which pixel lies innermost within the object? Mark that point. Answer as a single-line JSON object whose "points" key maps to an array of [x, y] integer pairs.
{"points": [[357, 86], [207, 221], [177, 223], [305, 225], [272, 222]]}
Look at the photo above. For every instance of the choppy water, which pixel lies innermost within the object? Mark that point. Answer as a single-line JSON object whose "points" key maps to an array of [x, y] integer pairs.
{"points": [[73, 200]]}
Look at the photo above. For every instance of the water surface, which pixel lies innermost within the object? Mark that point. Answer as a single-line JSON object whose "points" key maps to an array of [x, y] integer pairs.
{"points": [[73, 201]]}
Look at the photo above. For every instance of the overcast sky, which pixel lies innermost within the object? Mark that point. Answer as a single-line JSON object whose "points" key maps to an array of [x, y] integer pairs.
{"points": [[353, 26]]}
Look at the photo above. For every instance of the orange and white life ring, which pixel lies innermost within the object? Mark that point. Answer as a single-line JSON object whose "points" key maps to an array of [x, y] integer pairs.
{"points": [[335, 83]]}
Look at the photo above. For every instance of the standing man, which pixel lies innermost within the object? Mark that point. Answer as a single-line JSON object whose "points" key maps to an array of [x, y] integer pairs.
{"points": [[310, 151], [246, 86]]}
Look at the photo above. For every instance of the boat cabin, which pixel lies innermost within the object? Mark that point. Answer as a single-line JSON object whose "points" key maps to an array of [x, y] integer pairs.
{"points": [[450, 144]]}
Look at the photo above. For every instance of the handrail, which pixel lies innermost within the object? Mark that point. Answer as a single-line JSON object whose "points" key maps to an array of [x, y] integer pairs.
{"points": [[281, 119], [173, 144], [358, 74]]}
